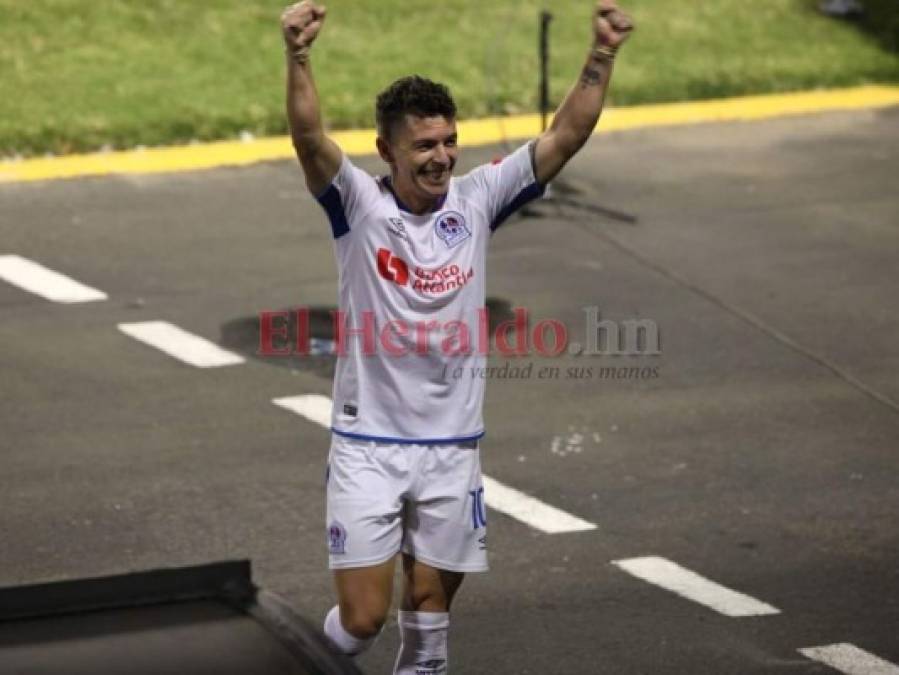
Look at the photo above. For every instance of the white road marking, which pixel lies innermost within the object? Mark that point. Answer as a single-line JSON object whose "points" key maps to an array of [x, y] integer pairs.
{"points": [[850, 659], [522, 507], [314, 407], [35, 278], [531, 511], [687, 584], [184, 346]]}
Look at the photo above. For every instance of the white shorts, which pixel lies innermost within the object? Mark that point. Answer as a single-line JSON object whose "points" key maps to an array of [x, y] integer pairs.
{"points": [[424, 500]]}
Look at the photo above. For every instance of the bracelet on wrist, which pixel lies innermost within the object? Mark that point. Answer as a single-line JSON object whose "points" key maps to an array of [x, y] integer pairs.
{"points": [[300, 55], [603, 53]]}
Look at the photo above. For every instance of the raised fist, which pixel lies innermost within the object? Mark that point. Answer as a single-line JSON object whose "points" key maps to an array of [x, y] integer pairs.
{"points": [[300, 24], [611, 26]]}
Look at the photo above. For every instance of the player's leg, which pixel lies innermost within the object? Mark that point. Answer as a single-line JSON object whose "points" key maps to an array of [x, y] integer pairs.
{"points": [[423, 619], [363, 596], [445, 537], [364, 526], [426, 588]]}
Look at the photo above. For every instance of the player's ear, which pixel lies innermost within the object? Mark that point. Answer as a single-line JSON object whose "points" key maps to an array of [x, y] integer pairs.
{"points": [[384, 150]]}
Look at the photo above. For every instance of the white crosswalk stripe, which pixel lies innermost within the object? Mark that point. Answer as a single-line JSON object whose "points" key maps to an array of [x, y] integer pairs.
{"points": [[178, 343], [314, 407], [502, 498], [850, 659], [531, 511], [671, 576], [35, 278]]}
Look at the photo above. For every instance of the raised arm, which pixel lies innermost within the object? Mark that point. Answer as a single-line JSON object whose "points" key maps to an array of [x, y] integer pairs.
{"points": [[578, 114], [319, 156]]}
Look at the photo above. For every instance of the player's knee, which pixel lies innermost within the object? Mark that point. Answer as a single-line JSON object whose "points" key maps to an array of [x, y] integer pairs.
{"points": [[430, 597], [364, 622], [432, 593]]}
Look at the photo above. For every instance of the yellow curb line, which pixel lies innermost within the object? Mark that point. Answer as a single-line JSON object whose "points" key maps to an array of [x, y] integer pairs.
{"points": [[472, 133]]}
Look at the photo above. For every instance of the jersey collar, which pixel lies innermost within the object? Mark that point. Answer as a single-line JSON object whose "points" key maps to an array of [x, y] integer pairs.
{"points": [[402, 207]]}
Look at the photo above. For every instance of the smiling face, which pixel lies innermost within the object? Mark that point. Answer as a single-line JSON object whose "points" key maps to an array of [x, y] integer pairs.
{"points": [[422, 153]]}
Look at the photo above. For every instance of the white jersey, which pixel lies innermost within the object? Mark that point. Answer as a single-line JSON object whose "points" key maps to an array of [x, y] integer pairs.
{"points": [[412, 296]]}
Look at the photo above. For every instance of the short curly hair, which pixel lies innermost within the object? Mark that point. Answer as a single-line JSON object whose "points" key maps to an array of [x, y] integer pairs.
{"points": [[413, 95]]}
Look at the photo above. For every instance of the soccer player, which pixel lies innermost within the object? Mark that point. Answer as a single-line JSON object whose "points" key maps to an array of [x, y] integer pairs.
{"points": [[404, 471]]}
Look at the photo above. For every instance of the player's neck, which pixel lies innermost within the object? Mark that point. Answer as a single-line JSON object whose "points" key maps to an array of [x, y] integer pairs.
{"points": [[412, 200]]}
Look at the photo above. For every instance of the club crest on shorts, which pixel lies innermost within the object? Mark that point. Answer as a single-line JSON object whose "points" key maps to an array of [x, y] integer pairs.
{"points": [[451, 228], [336, 538]]}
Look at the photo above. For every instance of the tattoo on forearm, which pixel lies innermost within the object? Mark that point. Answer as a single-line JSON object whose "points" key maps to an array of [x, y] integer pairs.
{"points": [[591, 76]]}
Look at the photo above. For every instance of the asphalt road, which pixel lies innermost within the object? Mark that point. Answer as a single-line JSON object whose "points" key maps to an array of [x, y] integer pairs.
{"points": [[763, 455]]}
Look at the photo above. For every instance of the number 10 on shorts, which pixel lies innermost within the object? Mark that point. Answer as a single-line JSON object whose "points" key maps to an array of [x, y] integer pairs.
{"points": [[478, 510]]}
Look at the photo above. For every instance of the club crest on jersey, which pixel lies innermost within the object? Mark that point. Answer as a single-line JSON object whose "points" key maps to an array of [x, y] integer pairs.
{"points": [[336, 538], [451, 228]]}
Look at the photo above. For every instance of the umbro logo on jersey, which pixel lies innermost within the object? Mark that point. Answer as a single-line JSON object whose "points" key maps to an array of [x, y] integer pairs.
{"points": [[397, 227], [451, 228]]}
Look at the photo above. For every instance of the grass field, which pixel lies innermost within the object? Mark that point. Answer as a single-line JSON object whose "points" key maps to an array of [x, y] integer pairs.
{"points": [[82, 74]]}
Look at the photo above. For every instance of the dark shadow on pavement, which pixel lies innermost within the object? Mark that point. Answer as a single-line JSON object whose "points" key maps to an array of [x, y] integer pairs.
{"points": [[243, 336]]}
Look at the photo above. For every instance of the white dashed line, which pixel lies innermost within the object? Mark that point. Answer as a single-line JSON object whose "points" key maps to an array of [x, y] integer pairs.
{"points": [[184, 346], [687, 584], [499, 497], [850, 659], [530, 510], [35, 278], [314, 407]]}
